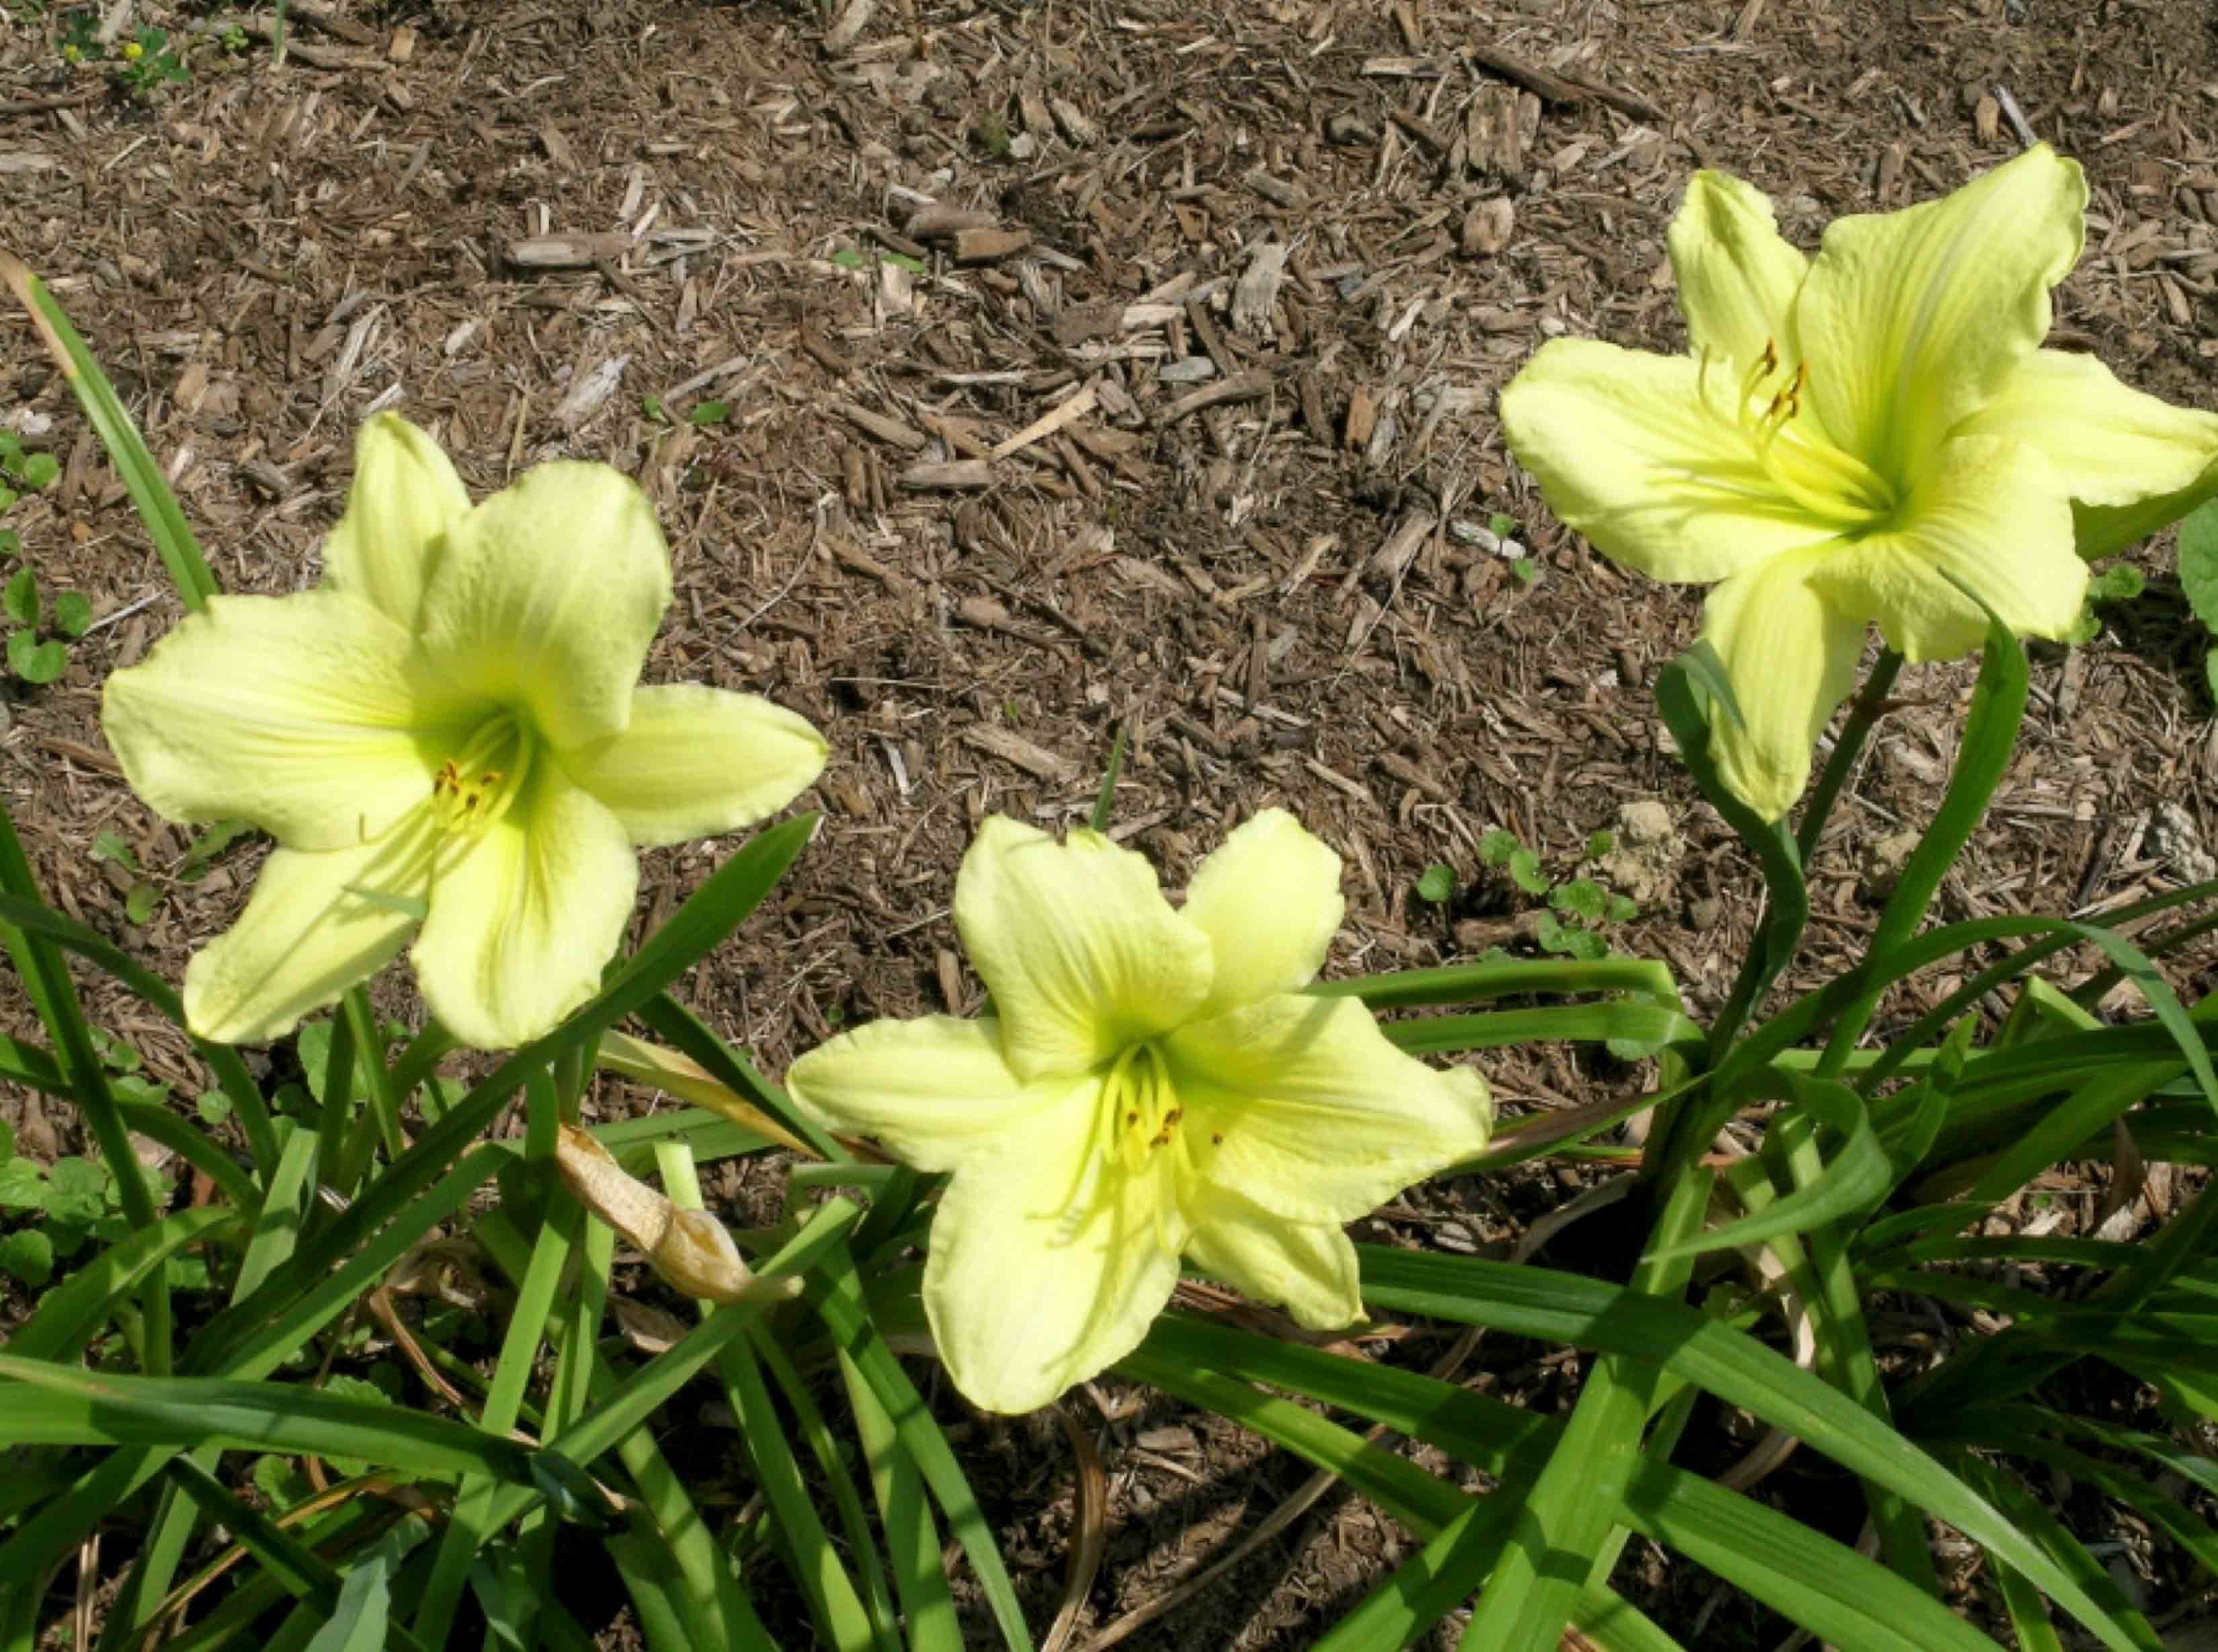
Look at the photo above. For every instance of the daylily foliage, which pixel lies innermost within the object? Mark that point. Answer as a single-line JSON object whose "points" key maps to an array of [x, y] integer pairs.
{"points": [[1152, 1083], [447, 739], [1846, 434]]}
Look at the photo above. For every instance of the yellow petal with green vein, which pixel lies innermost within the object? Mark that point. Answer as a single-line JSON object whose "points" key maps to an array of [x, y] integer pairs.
{"points": [[317, 925], [1791, 657], [1642, 454], [697, 761], [1307, 1268], [405, 495], [1737, 275], [1992, 516], [309, 715], [935, 1090], [1048, 1262], [1912, 321], [524, 915], [2130, 462], [1082, 954], [1268, 898], [545, 596], [1313, 1114]]}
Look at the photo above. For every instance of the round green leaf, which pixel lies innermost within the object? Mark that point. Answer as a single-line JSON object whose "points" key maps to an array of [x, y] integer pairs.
{"points": [[28, 1255]]}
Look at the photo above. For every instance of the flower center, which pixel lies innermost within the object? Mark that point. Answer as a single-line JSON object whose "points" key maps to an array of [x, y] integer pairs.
{"points": [[1142, 1109], [482, 780], [1831, 485]]}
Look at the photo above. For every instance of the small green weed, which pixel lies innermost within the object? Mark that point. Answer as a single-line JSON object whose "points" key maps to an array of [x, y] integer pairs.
{"points": [[1577, 908], [140, 896], [1523, 569], [147, 61], [34, 659], [140, 65], [48, 1213], [2119, 583]]}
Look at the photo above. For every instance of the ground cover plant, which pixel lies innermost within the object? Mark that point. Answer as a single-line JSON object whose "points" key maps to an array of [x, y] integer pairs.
{"points": [[360, 1318]]}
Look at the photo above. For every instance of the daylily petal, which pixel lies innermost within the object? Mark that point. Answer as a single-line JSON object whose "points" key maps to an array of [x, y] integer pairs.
{"points": [[405, 494], [309, 715], [2102, 530], [1791, 657], [697, 761], [935, 1091], [524, 914], [1322, 1119], [1048, 1262], [1082, 954], [1911, 321], [1992, 515], [1737, 275], [1308, 1268], [1268, 898], [2131, 462], [317, 924], [1631, 454], [547, 594]]}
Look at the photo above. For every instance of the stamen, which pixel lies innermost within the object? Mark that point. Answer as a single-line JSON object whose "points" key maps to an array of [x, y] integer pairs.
{"points": [[1833, 486], [498, 752]]}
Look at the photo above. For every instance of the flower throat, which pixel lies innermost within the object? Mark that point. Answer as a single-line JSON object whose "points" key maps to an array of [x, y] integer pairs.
{"points": [[480, 783], [1829, 484]]}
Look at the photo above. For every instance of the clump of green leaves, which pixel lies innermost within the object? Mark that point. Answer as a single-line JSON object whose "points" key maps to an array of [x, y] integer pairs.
{"points": [[50, 1213], [146, 61], [80, 41], [137, 882], [1577, 908], [140, 65], [2198, 576], [1502, 849], [2119, 583], [21, 472], [33, 658], [139, 893]]}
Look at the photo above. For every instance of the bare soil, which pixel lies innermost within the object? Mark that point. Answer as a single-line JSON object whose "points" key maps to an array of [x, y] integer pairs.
{"points": [[1188, 427]]}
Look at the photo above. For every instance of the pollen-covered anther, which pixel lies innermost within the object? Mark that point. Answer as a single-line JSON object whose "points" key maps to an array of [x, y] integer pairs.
{"points": [[470, 791]]}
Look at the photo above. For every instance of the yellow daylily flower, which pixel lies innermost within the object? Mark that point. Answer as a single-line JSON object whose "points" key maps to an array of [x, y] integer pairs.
{"points": [[446, 738], [1847, 433], [1152, 1083]]}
